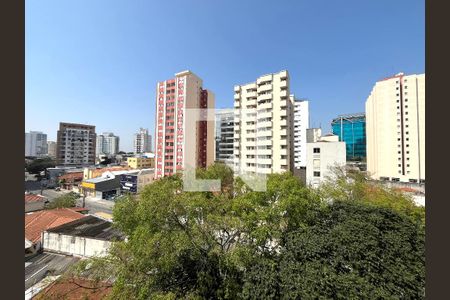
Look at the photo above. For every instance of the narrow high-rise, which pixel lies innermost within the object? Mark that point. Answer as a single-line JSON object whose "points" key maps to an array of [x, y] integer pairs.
{"points": [[142, 141], [301, 123], [35, 144], [395, 129], [224, 136], [75, 144], [51, 149], [182, 142], [263, 125]]}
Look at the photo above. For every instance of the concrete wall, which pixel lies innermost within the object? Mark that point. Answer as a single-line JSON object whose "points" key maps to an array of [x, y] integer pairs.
{"points": [[74, 245], [331, 154]]}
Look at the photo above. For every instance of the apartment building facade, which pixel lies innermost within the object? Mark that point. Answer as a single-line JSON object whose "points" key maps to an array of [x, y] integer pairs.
{"points": [[301, 123], [263, 125], [224, 136], [35, 144], [107, 143], [324, 153], [182, 142], [76, 144], [395, 129], [51, 149], [142, 141]]}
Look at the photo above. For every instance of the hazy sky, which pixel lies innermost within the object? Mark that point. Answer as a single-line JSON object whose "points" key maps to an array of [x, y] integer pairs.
{"points": [[98, 62]]}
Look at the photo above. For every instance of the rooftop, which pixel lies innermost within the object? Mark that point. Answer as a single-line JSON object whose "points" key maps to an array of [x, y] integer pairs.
{"points": [[39, 221], [33, 198], [91, 227], [75, 289], [37, 267]]}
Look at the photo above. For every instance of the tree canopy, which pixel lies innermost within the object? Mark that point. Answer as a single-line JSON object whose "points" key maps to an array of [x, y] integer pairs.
{"points": [[66, 200], [40, 164], [287, 242]]}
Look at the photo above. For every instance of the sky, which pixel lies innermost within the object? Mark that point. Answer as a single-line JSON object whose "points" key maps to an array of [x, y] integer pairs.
{"points": [[98, 62]]}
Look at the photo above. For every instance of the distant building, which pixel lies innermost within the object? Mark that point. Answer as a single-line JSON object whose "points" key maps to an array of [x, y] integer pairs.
{"points": [[76, 144], [106, 186], [301, 123], [134, 182], [263, 125], [107, 143], [141, 162], [395, 113], [85, 237], [35, 144], [323, 153], [182, 142], [224, 136], [142, 141], [51, 149], [351, 129], [71, 180]]}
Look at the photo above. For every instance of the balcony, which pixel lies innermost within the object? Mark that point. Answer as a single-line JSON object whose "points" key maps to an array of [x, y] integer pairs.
{"points": [[283, 93], [264, 170], [265, 115], [283, 161], [264, 161], [264, 143], [264, 151], [251, 94], [237, 104], [283, 74], [283, 83], [265, 97], [237, 88], [237, 96], [236, 144], [264, 78], [265, 105], [283, 132], [264, 124], [265, 87], [251, 102]]}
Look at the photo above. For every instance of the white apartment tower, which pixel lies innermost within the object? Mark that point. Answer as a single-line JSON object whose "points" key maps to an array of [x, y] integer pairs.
{"points": [[107, 143], [395, 129], [263, 125], [142, 141], [301, 123], [35, 143]]}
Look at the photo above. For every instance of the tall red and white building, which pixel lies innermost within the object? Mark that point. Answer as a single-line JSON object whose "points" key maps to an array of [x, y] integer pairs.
{"points": [[182, 143]]}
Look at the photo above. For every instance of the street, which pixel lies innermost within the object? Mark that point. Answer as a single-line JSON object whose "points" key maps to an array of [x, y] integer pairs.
{"points": [[94, 205]]}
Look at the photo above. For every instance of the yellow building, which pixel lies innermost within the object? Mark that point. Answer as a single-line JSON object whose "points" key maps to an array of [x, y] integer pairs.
{"points": [[141, 162]]}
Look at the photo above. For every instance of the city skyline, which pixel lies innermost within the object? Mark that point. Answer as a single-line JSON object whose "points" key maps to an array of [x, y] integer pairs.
{"points": [[102, 64]]}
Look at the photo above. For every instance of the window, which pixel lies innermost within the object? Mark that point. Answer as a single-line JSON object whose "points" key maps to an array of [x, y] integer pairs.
{"points": [[316, 174], [399, 165], [316, 150]]}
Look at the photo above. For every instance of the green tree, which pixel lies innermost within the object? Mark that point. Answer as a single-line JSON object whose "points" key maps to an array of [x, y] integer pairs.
{"points": [[239, 243], [353, 251], [39, 165], [67, 200]]}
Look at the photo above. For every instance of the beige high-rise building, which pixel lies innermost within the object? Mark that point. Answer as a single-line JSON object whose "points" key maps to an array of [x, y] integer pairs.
{"points": [[263, 125], [395, 128]]}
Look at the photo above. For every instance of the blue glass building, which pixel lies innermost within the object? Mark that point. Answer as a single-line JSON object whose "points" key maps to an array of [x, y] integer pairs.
{"points": [[351, 129]]}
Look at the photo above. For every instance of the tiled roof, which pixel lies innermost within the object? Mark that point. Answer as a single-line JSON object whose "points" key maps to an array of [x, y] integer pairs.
{"points": [[72, 176], [33, 198], [37, 222], [75, 289]]}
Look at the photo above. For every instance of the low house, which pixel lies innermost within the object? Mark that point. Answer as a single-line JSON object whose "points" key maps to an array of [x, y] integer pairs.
{"points": [[39, 221], [34, 202], [85, 237], [134, 182], [70, 181], [89, 173]]}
